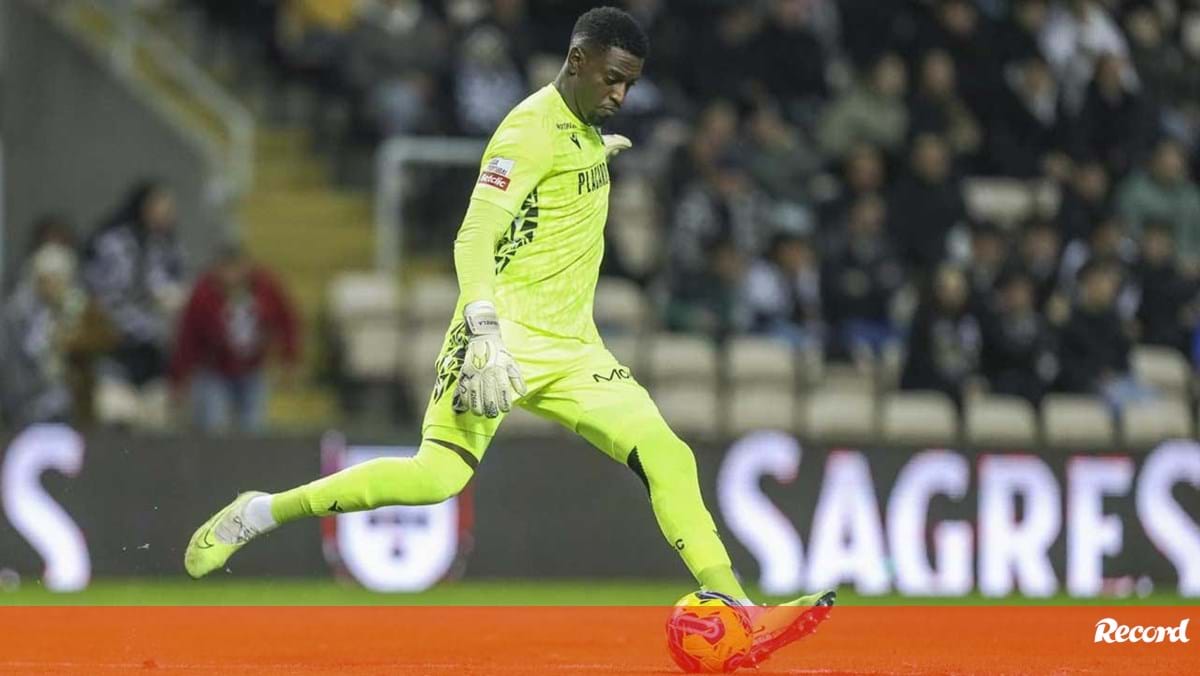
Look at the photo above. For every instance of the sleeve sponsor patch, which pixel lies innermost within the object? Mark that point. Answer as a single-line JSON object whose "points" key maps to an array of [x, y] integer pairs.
{"points": [[496, 172]]}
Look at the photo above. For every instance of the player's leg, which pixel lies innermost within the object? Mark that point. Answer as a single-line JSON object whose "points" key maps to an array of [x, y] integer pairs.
{"points": [[599, 399], [451, 448]]}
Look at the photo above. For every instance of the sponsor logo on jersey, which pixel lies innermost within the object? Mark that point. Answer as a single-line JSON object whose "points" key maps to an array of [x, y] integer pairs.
{"points": [[563, 126], [496, 173], [1109, 630]]}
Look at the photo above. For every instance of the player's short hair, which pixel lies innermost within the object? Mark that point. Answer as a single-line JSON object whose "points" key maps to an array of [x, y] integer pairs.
{"points": [[606, 27]]}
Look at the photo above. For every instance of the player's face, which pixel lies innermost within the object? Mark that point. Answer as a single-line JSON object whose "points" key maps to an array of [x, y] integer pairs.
{"points": [[605, 79]]}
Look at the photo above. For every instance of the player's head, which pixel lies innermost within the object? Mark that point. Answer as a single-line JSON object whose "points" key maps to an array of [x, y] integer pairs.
{"points": [[605, 59]]}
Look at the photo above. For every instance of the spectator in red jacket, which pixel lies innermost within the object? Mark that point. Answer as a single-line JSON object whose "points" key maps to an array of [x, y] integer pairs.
{"points": [[237, 314]]}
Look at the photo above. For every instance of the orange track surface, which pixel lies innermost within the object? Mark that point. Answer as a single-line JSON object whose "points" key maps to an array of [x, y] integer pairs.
{"points": [[456, 640]]}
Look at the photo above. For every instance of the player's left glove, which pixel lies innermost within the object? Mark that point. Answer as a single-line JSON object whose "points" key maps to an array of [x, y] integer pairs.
{"points": [[489, 374], [615, 143]]}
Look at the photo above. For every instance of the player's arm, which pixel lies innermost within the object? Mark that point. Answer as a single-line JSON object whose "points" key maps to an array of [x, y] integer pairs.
{"points": [[519, 156]]}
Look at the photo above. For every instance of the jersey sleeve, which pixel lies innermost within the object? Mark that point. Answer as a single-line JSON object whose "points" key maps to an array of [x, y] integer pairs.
{"points": [[519, 156]]}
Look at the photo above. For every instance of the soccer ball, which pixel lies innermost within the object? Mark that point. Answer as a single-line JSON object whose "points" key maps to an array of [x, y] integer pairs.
{"points": [[709, 632]]}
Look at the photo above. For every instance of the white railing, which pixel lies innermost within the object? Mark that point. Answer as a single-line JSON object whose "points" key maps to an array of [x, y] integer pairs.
{"points": [[127, 40], [393, 158]]}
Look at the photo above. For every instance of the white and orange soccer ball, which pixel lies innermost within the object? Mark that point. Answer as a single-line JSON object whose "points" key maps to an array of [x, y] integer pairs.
{"points": [[709, 632]]}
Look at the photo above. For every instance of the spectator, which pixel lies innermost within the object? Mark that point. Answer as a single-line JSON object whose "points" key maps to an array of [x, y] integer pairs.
{"points": [[957, 30], [1085, 199], [791, 60], [989, 254], [1017, 357], [938, 109], [1026, 132], [724, 207], [783, 292], [312, 34], [859, 280], [35, 329], [721, 70], [713, 136], [710, 303], [781, 160], [133, 265], [1166, 72], [1076, 33], [396, 49], [1108, 241], [944, 343], [1094, 345], [1167, 310], [926, 204], [1115, 123], [873, 111], [488, 81], [1163, 191], [863, 174], [1017, 37], [1040, 255], [237, 314]]}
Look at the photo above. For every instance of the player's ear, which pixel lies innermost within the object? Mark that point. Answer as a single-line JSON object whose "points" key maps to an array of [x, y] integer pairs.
{"points": [[575, 59]]}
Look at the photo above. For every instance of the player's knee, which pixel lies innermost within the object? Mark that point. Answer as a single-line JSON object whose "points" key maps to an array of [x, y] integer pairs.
{"points": [[446, 474], [662, 458]]}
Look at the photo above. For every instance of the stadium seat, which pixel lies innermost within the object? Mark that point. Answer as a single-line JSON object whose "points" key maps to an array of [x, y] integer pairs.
{"points": [[1076, 422], [890, 367], [431, 301], [919, 419], [363, 295], [839, 417], [761, 407], [620, 306], [761, 360], [848, 378], [1000, 423], [1008, 201], [689, 410], [680, 359], [1162, 368], [1147, 423], [373, 349], [628, 351]]}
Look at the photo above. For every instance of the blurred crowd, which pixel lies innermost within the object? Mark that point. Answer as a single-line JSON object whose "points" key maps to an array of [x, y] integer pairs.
{"points": [[111, 329], [801, 163]]}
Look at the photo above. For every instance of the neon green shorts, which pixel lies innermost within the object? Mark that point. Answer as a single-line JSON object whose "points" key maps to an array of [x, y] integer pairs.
{"points": [[579, 385]]}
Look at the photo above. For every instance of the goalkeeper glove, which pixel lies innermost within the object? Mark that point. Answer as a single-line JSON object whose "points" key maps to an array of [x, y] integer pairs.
{"points": [[615, 143], [489, 374]]}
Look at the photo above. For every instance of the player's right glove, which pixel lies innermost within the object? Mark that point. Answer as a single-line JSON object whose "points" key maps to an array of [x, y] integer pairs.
{"points": [[615, 143], [489, 375]]}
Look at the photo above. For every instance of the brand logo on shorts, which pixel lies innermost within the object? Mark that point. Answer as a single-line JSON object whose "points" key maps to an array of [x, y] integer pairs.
{"points": [[619, 373], [1109, 630]]}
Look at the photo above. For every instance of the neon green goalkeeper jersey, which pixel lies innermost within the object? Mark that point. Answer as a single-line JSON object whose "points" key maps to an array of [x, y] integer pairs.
{"points": [[549, 171]]}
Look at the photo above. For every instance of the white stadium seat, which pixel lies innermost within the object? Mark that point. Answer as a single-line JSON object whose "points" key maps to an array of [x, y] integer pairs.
{"points": [[1000, 423], [918, 419], [680, 359], [620, 306], [691, 411], [1076, 422], [839, 416], [761, 360], [1163, 368], [761, 407], [1147, 423]]}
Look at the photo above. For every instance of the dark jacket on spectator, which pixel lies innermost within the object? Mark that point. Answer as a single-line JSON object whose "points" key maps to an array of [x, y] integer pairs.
{"points": [[921, 215], [858, 283], [1017, 357], [1165, 293], [231, 336], [1116, 131], [1019, 137], [1092, 345], [943, 351]]}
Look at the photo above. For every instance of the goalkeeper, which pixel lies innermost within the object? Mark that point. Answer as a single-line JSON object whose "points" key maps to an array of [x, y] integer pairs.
{"points": [[527, 258]]}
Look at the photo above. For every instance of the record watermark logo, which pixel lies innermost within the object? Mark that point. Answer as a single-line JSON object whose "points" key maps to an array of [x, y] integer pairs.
{"points": [[1108, 630]]}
